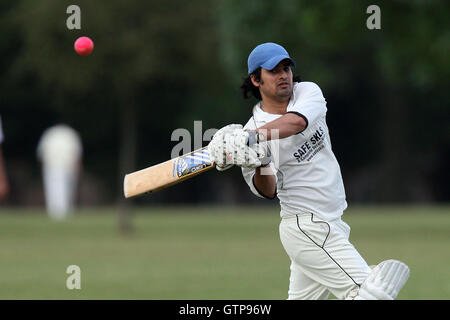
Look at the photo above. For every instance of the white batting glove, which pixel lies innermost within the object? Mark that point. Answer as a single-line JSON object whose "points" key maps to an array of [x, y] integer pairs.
{"points": [[217, 153], [231, 145], [230, 148], [237, 150], [216, 147], [228, 128], [259, 143]]}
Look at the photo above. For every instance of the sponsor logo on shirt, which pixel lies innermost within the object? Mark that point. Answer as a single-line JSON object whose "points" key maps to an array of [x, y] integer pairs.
{"points": [[311, 147]]}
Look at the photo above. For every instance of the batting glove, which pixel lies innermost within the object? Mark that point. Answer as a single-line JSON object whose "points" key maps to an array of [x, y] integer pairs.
{"points": [[216, 147], [237, 150], [258, 142]]}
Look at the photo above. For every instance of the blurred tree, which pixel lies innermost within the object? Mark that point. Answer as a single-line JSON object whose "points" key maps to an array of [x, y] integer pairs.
{"points": [[414, 72], [150, 59], [383, 87], [160, 65]]}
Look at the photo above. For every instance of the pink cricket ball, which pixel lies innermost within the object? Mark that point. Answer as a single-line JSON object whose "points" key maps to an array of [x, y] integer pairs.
{"points": [[84, 46]]}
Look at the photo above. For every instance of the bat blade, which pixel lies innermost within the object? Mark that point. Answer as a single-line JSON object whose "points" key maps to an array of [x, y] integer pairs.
{"points": [[167, 173]]}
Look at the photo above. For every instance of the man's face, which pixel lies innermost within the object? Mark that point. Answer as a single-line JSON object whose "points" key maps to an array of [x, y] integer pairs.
{"points": [[276, 83]]}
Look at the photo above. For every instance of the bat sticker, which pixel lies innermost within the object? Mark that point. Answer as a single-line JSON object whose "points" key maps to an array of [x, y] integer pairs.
{"points": [[191, 163]]}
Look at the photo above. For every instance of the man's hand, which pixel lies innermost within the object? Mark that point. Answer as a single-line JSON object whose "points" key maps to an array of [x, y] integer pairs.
{"points": [[4, 189], [257, 141], [231, 148], [216, 147]]}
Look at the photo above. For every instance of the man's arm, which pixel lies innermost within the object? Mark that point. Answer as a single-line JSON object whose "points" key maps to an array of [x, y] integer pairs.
{"points": [[287, 125], [265, 182]]}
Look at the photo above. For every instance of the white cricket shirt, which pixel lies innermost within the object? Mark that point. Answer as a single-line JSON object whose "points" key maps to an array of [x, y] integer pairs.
{"points": [[308, 175], [60, 147]]}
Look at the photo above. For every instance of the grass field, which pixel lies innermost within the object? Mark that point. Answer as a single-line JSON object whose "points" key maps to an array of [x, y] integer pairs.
{"points": [[202, 253]]}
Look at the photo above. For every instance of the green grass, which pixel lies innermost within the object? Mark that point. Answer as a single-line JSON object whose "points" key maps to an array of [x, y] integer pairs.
{"points": [[202, 253]]}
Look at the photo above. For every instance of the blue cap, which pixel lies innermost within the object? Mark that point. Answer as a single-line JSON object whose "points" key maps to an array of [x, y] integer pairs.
{"points": [[267, 56]]}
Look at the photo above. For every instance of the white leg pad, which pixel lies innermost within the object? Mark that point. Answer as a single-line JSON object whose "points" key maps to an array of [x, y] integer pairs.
{"points": [[385, 281]]}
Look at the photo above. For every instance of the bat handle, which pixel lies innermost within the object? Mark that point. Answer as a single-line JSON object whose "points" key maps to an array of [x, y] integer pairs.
{"points": [[254, 137]]}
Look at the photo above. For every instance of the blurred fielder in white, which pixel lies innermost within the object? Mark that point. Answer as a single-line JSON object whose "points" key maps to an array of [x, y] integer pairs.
{"points": [[4, 185], [60, 151]]}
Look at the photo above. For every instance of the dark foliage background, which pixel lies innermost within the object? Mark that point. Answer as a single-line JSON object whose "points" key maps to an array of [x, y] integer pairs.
{"points": [[161, 65]]}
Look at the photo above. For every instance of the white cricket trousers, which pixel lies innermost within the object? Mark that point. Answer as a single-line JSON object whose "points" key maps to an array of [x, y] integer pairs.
{"points": [[322, 258], [59, 187]]}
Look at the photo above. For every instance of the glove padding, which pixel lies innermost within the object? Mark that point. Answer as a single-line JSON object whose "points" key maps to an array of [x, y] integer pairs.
{"points": [[228, 128], [231, 148], [217, 151], [261, 147]]}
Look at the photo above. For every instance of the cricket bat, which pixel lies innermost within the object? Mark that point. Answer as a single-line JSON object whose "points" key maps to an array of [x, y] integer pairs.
{"points": [[167, 173]]}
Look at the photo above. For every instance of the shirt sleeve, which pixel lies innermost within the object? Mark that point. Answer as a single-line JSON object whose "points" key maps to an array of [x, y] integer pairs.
{"points": [[308, 103]]}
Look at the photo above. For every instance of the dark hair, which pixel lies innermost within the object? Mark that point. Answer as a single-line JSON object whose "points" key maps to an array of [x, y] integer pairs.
{"points": [[249, 89]]}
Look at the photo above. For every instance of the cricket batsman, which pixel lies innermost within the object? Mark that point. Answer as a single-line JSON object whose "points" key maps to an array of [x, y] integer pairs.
{"points": [[285, 151]]}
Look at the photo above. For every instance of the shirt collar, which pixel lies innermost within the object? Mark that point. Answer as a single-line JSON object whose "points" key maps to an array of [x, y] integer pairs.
{"points": [[260, 115]]}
